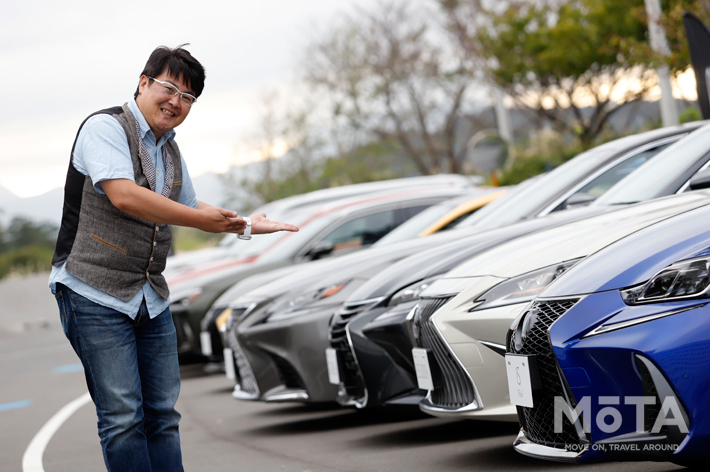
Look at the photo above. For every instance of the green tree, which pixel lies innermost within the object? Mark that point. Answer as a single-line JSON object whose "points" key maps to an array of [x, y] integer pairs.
{"points": [[24, 232], [3, 243], [574, 63], [26, 246], [26, 260]]}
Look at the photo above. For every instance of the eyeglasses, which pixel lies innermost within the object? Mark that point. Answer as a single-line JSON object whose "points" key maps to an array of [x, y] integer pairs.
{"points": [[170, 91]]}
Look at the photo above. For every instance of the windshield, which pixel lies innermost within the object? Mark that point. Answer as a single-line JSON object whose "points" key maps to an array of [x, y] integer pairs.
{"points": [[526, 198], [415, 225], [654, 176]]}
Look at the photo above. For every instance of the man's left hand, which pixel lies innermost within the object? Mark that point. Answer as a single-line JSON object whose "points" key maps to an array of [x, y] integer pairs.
{"points": [[261, 225]]}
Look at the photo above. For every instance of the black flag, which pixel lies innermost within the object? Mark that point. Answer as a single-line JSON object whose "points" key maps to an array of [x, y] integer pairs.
{"points": [[699, 45]]}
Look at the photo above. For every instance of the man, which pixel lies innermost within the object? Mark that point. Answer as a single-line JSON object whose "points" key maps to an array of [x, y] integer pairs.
{"points": [[126, 182]]}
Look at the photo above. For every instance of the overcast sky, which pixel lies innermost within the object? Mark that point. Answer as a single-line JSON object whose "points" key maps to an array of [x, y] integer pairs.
{"points": [[63, 60]]}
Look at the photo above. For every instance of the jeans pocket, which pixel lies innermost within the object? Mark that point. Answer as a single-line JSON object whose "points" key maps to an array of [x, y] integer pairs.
{"points": [[59, 296]]}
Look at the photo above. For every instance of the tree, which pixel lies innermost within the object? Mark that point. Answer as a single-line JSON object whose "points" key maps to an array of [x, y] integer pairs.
{"points": [[392, 75], [24, 232], [296, 157], [26, 246], [574, 63]]}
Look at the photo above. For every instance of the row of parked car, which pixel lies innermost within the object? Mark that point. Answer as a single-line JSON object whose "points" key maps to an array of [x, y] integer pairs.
{"points": [[574, 303]]}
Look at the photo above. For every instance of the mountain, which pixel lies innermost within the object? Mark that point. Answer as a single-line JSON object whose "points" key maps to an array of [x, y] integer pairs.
{"points": [[46, 207]]}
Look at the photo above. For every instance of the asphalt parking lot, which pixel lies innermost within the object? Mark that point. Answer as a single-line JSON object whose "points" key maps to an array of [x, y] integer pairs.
{"points": [[41, 374]]}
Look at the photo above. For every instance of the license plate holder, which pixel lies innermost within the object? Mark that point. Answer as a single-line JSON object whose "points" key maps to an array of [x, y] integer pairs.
{"points": [[206, 343], [424, 366], [229, 367], [331, 360], [523, 378]]}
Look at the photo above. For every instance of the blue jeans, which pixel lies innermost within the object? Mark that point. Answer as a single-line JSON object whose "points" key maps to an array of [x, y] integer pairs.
{"points": [[132, 372]]}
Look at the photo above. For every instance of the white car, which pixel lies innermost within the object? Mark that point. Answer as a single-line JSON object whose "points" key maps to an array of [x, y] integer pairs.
{"points": [[462, 319]]}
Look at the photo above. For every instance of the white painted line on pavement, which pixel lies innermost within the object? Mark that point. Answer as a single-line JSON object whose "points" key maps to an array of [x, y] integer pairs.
{"points": [[32, 459]]}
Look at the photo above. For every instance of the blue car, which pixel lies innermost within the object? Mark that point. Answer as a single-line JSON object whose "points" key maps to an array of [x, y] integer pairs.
{"points": [[612, 360]]}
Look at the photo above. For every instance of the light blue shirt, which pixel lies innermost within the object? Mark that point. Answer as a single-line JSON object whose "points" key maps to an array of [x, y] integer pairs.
{"points": [[101, 152]]}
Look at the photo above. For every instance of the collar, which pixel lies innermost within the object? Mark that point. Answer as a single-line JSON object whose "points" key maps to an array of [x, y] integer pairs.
{"points": [[143, 124]]}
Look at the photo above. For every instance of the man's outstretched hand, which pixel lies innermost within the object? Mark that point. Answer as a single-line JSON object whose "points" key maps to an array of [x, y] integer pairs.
{"points": [[219, 220], [261, 225]]}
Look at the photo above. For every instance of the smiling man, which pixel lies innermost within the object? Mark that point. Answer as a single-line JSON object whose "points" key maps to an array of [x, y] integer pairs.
{"points": [[126, 182]]}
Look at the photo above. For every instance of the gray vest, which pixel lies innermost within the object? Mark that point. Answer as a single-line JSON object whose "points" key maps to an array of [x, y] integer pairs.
{"points": [[111, 250]]}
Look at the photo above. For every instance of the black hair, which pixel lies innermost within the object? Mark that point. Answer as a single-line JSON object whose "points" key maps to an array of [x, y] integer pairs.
{"points": [[177, 61]]}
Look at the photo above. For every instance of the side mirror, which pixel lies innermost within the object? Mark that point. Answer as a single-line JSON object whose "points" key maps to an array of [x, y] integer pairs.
{"points": [[700, 180], [321, 249], [580, 199]]}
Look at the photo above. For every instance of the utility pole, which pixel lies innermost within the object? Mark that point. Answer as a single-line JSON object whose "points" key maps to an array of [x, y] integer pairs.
{"points": [[659, 43], [505, 131]]}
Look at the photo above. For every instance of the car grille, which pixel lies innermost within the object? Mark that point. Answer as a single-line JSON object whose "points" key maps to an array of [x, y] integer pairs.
{"points": [[350, 374], [457, 390], [245, 376], [538, 421]]}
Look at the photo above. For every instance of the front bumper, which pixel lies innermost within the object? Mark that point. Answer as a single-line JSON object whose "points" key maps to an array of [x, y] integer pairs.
{"points": [[287, 358], [664, 358], [381, 371], [469, 349]]}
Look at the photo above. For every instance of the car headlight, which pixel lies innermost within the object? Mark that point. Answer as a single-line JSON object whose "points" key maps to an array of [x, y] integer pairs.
{"points": [[186, 298], [684, 279], [411, 292], [286, 308], [523, 288]]}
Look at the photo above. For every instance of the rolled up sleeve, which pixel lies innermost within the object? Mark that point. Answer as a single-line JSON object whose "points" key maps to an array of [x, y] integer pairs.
{"points": [[102, 152]]}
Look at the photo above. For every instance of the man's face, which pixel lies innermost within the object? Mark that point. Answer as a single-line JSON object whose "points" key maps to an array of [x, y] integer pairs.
{"points": [[161, 111]]}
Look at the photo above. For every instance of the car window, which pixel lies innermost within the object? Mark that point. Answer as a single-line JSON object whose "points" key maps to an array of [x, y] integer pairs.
{"points": [[455, 222], [520, 202], [603, 182], [654, 177], [361, 231], [405, 214], [413, 226], [290, 243]]}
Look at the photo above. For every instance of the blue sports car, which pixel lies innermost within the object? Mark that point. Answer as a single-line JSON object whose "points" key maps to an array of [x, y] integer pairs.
{"points": [[612, 360]]}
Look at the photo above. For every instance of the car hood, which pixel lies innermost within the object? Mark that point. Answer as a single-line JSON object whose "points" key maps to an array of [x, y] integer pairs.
{"points": [[362, 264], [573, 240], [441, 259], [639, 256], [251, 283]]}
